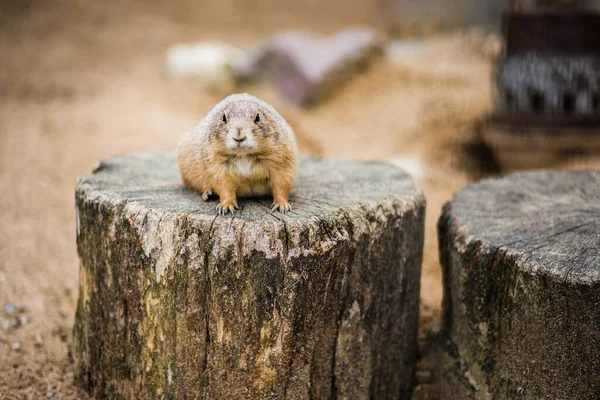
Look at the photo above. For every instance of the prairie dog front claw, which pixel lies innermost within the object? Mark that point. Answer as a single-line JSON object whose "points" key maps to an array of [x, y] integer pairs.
{"points": [[282, 208], [224, 209], [206, 195]]}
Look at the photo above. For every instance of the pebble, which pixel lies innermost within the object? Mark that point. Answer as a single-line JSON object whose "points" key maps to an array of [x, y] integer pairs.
{"points": [[16, 346], [69, 288], [207, 60], [10, 308], [17, 322], [50, 395]]}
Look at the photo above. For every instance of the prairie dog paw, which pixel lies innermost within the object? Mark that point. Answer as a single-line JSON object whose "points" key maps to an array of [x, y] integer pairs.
{"points": [[282, 207], [206, 195], [223, 208]]}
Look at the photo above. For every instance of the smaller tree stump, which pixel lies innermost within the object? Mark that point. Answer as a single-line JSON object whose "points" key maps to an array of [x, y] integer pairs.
{"points": [[177, 302], [521, 264]]}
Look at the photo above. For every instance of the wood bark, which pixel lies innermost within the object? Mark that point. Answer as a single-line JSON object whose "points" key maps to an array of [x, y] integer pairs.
{"points": [[521, 265], [177, 302]]}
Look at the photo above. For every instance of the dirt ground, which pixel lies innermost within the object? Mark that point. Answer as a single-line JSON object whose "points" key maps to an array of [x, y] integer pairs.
{"points": [[81, 81]]}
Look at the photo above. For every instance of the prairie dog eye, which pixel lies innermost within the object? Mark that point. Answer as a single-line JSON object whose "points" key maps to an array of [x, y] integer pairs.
{"points": [[224, 118], [257, 119]]}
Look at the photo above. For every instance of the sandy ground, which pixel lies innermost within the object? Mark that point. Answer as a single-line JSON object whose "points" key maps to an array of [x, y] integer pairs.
{"points": [[81, 83]]}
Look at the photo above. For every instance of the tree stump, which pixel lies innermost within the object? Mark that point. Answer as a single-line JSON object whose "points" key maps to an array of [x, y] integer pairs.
{"points": [[521, 311], [177, 302]]}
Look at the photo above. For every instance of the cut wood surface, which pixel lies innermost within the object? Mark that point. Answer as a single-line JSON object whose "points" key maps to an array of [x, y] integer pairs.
{"points": [[521, 264], [176, 301]]}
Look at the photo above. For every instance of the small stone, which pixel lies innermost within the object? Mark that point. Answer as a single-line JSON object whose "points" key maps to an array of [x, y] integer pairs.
{"points": [[10, 308], [69, 288], [16, 346], [205, 58], [38, 340], [50, 395], [520, 390], [23, 319], [62, 334]]}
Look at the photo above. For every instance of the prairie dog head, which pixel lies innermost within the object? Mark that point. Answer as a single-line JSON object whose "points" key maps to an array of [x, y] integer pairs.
{"points": [[243, 124]]}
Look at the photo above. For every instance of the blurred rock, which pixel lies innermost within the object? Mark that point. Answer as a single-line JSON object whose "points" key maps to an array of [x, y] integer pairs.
{"points": [[307, 68], [16, 346], [9, 308], [69, 288], [23, 319], [207, 60]]}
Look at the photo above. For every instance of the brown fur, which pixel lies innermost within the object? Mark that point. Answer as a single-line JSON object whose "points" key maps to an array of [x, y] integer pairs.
{"points": [[211, 161]]}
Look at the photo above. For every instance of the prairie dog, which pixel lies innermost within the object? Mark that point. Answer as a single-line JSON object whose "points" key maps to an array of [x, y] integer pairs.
{"points": [[242, 147]]}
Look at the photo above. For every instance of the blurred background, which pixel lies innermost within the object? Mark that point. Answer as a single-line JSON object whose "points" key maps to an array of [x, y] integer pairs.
{"points": [[445, 90]]}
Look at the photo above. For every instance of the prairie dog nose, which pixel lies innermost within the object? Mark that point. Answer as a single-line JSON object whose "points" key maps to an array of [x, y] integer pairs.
{"points": [[239, 135]]}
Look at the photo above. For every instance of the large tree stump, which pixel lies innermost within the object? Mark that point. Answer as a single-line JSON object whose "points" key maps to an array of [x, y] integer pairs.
{"points": [[176, 301], [521, 265]]}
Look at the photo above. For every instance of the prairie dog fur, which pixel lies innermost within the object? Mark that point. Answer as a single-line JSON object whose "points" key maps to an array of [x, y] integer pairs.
{"points": [[242, 147]]}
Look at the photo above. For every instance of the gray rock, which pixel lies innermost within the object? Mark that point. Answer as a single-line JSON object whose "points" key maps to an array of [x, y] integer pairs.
{"points": [[10, 308], [307, 68]]}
